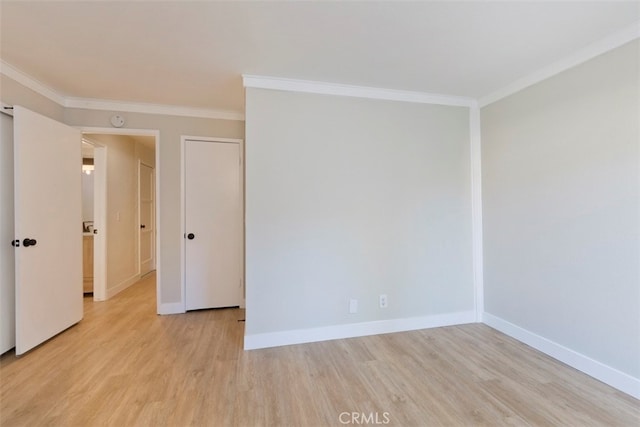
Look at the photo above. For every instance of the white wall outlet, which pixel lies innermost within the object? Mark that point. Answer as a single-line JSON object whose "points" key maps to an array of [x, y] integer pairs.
{"points": [[384, 303], [353, 306]]}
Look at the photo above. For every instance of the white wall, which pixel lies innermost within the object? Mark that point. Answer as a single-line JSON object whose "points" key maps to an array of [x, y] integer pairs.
{"points": [[561, 198], [145, 154], [352, 198], [122, 227]]}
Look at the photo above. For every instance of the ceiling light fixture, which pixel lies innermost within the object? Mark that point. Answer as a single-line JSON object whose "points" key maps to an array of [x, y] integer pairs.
{"points": [[87, 165]]}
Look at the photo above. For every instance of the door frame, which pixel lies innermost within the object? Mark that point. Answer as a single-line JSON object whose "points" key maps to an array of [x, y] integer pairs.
{"points": [[138, 132], [99, 219], [183, 218]]}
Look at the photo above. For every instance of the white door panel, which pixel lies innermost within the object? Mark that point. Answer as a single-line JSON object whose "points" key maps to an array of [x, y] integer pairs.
{"points": [[7, 255], [146, 207], [213, 213], [48, 210]]}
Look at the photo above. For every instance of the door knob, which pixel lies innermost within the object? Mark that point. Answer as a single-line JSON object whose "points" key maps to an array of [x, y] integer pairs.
{"points": [[143, 226], [15, 243], [29, 242], [191, 236]]}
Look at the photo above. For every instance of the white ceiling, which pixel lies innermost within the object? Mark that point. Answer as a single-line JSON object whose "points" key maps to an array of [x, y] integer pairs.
{"points": [[193, 54]]}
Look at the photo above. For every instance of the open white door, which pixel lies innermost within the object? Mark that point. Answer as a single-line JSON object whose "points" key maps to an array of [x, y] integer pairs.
{"points": [[146, 213], [48, 228], [7, 255]]}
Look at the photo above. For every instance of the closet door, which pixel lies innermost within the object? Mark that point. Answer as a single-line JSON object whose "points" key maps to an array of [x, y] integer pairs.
{"points": [[213, 224], [48, 227]]}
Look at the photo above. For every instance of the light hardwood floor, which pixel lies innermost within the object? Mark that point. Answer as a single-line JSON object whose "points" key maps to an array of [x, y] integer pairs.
{"points": [[125, 366]]}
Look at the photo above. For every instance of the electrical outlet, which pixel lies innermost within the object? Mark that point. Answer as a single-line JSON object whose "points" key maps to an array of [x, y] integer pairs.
{"points": [[383, 301], [353, 306]]}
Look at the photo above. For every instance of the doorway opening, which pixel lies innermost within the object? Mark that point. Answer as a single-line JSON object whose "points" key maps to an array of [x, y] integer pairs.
{"points": [[94, 199], [125, 209]]}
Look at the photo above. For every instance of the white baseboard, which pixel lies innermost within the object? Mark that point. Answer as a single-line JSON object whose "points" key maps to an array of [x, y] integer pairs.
{"points": [[299, 336], [122, 286], [608, 375], [171, 308]]}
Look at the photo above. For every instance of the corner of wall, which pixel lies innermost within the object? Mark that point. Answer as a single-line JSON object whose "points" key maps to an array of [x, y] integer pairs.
{"points": [[608, 375], [475, 141], [170, 308]]}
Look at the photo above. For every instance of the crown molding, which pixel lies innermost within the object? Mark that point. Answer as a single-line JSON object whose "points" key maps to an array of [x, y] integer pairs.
{"points": [[611, 42], [108, 105], [323, 88], [163, 109], [30, 83]]}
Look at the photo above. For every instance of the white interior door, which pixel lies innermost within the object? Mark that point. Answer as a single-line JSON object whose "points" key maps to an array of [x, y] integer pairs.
{"points": [[213, 225], [7, 255], [146, 206], [48, 228]]}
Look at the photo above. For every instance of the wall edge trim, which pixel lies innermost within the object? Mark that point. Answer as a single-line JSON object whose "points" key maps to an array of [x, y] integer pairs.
{"points": [[336, 89], [157, 109], [114, 105], [475, 148], [598, 370], [112, 291], [31, 83], [604, 45], [351, 330]]}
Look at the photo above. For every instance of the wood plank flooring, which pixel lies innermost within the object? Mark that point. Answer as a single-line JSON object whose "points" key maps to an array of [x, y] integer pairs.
{"points": [[125, 366]]}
